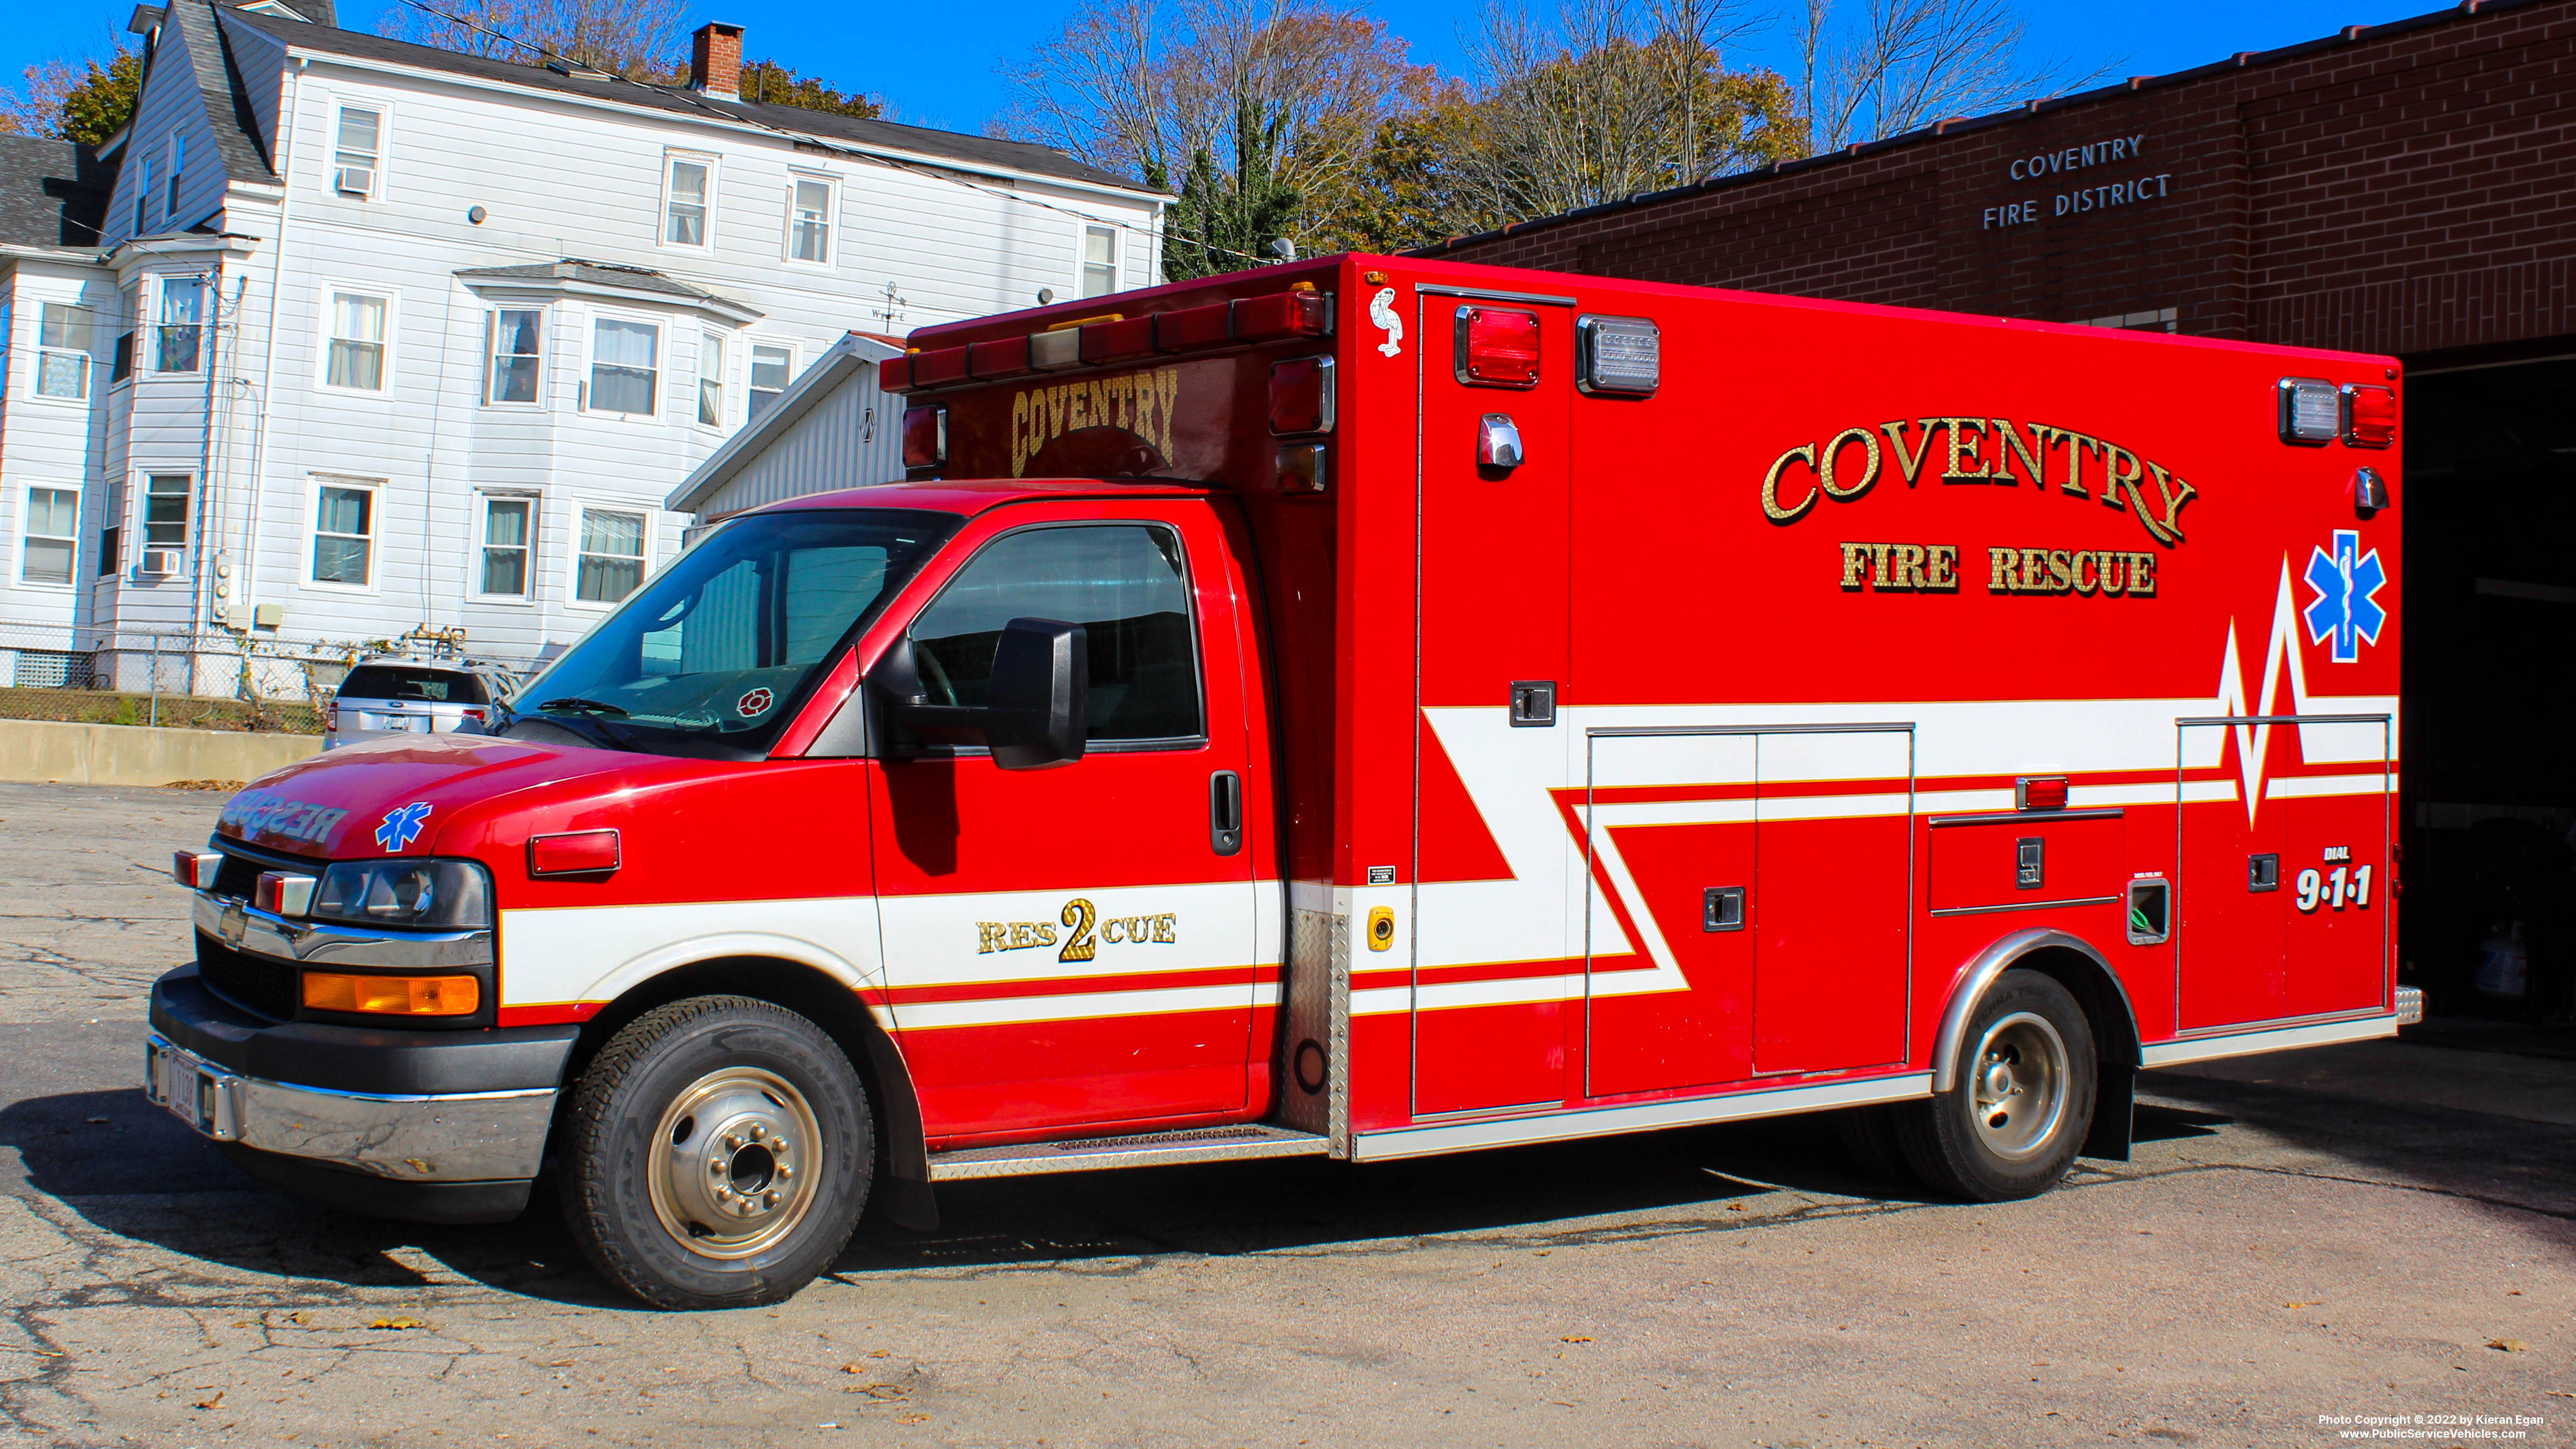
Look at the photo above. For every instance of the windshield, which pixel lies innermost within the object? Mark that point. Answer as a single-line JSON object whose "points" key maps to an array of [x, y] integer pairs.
{"points": [[714, 655]]}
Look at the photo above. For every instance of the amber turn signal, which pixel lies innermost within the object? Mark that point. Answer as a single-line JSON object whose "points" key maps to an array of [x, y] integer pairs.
{"points": [[392, 995]]}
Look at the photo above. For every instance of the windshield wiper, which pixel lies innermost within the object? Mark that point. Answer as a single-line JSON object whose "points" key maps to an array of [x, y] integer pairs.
{"points": [[574, 704]]}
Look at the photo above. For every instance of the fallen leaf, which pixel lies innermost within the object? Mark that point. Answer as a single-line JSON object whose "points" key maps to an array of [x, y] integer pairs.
{"points": [[2558, 1394], [405, 1321], [2298, 1305], [882, 1391], [209, 1403], [2507, 1345], [1578, 1338], [557, 1363], [1737, 1207], [880, 1353], [914, 1419]]}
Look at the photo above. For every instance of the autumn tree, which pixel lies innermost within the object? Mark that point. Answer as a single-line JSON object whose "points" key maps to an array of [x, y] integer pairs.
{"points": [[88, 103]]}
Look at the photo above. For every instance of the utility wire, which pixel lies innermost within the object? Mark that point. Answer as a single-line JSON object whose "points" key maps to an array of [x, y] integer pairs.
{"points": [[804, 138]]}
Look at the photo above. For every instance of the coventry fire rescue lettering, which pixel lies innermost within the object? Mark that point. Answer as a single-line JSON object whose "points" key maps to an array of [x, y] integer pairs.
{"points": [[1920, 568], [1140, 403], [1980, 450]]}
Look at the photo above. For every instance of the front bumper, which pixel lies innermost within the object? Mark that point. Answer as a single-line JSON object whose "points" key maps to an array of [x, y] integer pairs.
{"points": [[444, 1125]]}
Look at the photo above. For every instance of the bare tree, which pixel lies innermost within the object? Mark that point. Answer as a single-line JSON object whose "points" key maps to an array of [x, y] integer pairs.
{"points": [[1608, 98], [1899, 65], [632, 38], [1258, 113]]}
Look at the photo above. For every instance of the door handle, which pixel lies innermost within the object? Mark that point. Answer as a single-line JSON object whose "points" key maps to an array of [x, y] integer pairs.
{"points": [[1721, 908], [1225, 812]]}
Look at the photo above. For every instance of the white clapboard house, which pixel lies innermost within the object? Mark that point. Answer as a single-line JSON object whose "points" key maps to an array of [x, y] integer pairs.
{"points": [[371, 336]]}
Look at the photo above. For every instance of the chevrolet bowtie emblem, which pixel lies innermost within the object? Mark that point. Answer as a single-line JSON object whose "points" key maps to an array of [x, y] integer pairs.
{"points": [[232, 925]]}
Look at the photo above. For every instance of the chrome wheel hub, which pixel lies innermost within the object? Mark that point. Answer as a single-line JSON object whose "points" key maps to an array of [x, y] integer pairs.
{"points": [[2019, 1091], [734, 1162]]}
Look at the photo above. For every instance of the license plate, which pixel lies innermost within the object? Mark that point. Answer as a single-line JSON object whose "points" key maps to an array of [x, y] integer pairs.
{"points": [[418, 724], [193, 1090]]}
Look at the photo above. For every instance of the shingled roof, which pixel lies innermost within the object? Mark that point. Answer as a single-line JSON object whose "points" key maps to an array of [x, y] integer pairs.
{"points": [[1017, 158], [238, 143], [52, 193]]}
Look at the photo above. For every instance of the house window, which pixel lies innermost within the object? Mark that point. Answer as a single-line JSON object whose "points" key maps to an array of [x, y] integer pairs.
{"points": [[1099, 261], [178, 176], [711, 368], [516, 332], [165, 509], [176, 342], [357, 353], [625, 366], [142, 193], [771, 366], [344, 531], [52, 536], [612, 556], [809, 221], [506, 535], [685, 201], [62, 352], [355, 161]]}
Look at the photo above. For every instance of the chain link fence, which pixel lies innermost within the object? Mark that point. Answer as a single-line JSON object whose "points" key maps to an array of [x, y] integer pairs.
{"points": [[181, 679]]}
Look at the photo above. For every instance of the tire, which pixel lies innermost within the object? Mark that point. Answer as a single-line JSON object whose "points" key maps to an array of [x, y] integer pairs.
{"points": [[713, 1085], [2023, 1104]]}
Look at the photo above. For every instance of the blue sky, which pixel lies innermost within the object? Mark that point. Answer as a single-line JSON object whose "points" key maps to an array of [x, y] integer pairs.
{"points": [[939, 64]]}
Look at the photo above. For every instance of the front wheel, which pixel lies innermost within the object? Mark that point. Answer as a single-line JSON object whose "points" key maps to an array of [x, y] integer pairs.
{"points": [[2009, 1127], [717, 1154]]}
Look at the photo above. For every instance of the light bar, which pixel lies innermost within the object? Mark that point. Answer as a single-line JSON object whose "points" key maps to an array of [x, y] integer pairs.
{"points": [[1111, 339], [2311, 411], [1621, 356]]}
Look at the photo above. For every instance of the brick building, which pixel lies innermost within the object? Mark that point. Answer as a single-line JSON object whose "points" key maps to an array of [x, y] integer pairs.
{"points": [[2407, 188]]}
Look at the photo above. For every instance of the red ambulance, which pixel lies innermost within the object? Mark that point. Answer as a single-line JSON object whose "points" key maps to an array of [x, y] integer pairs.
{"points": [[1368, 707]]}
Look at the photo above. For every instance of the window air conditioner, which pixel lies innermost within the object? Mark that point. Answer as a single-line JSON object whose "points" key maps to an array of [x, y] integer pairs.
{"points": [[355, 181], [160, 563]]}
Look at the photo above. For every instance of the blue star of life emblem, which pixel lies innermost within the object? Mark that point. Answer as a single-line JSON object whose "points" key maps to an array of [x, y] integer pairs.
{"points": [[2345, 580], [402, 826]]}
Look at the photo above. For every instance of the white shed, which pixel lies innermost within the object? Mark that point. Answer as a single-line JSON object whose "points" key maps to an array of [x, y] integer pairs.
{"points": [[830, 429]]}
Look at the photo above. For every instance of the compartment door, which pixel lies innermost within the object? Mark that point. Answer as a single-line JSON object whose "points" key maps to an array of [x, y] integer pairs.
{"points": [[1496, 960], [1832, 898], [2334, 870], [1669, 958]]}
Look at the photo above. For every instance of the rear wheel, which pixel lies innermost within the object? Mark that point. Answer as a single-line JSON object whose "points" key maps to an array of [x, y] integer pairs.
{"points": [[2010, 1125], [718, 1154]]}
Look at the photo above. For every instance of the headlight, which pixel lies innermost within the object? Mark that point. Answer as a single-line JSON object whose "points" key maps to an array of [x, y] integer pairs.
{"points": [[453, 895]]}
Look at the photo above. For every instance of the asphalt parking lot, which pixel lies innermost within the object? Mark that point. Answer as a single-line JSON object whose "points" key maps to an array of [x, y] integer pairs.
{"points": [[2387, 1229]]}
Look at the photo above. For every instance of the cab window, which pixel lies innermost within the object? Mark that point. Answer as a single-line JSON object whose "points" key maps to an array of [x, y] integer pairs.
{"points": [[1126, 584]]}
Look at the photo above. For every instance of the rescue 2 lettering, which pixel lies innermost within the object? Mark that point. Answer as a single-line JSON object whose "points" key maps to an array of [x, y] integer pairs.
{"points": [[1978, 451], [1084, 932], [260, 812]]}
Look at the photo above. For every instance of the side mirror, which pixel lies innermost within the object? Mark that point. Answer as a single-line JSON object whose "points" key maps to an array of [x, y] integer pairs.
{"points": [[1040, 695], [1036, 705]]}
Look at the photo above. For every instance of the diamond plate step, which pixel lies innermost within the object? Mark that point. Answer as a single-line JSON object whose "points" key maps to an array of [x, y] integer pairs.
{"points": [[1152, 1149]]}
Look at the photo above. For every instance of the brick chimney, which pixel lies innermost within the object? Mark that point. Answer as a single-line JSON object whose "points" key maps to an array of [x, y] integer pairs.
{"points": [[715, 61]]}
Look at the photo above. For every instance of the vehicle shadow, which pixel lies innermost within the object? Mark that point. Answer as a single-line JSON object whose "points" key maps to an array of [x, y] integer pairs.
{"points": [[127, 1168], [1617, 1188]]}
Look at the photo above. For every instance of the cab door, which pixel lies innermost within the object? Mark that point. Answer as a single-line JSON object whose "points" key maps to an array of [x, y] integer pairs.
{"points": [[1076, 946]]}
